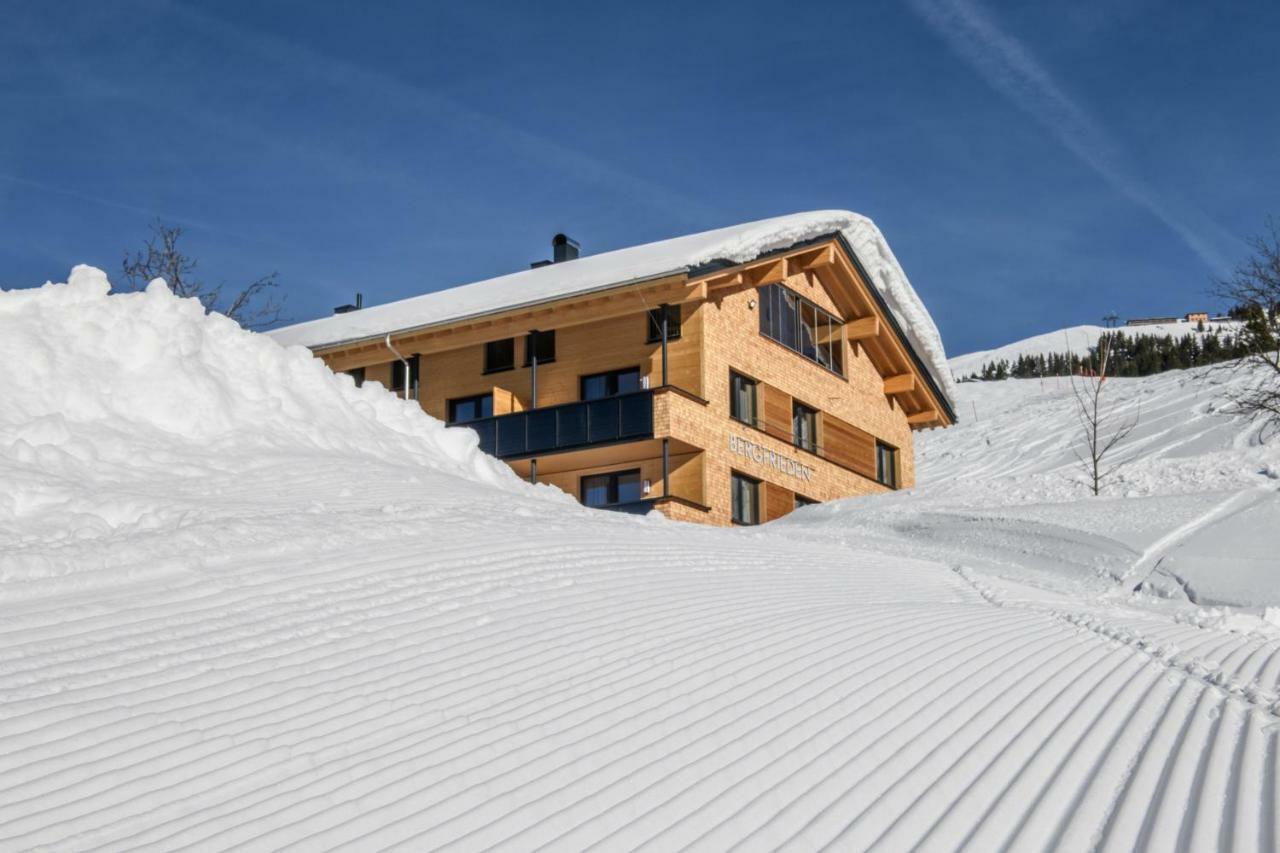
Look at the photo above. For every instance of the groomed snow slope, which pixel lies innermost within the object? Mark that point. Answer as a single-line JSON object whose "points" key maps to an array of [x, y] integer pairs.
{"points": [[1076, 339], [367, 650], [736, 244]]}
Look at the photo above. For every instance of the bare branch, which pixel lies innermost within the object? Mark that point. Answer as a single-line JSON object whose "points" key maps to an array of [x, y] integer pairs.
{"points": [[1253, 290], [256, 306], [1094, 418]]}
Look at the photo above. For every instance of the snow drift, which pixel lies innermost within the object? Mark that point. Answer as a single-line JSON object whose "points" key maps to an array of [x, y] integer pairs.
{"points": [[160, 367], [109, 395]]}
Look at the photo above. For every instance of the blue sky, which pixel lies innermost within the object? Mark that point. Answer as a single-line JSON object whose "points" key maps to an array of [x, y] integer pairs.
{"points": [[1033, 165]]}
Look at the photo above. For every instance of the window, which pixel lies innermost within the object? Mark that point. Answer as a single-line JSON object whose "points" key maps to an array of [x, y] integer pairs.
{"points": [[611, 384], [742, 398], [357, 373], [746, 499], [397, 376], [809, 330], [830, 344], [800, 325], [804, 427], [801, 500], [887, 465], [541, 343], [466, 409], [616, 487], [655, 324], [500, 355]]}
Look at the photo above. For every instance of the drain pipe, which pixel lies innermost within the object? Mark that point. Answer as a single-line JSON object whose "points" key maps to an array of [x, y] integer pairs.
{"points": [[404, 361]]}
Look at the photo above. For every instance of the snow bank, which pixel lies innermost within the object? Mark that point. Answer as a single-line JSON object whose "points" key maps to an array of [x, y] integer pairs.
{"points": [[159, 366], [104, 392], [739, 243]]}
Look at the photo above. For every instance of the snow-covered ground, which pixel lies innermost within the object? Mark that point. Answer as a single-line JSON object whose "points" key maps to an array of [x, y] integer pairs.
{"points": [[1192, 509], [247, 605], [1074, 339]]}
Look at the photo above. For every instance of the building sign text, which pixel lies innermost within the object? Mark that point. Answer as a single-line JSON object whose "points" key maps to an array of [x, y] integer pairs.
{"points": [[765, 456]]}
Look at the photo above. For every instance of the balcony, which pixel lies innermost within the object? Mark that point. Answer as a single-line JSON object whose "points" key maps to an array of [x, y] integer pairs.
{"points": [[569, 426]]}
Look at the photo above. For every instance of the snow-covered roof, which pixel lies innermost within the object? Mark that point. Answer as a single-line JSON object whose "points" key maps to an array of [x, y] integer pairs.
{"points": [[736, 244]]}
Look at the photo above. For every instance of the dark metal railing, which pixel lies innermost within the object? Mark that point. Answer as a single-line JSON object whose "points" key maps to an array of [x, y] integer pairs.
{"points": [[569, 426]]}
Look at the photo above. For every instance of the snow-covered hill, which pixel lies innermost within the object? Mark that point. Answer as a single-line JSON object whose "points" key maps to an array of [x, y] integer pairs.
{"points": [[234, 618], [1073, 339], [1192, 510]]}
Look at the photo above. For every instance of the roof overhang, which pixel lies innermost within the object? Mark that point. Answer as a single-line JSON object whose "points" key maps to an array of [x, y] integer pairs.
{"points": [[869, 322], [515, 308]]}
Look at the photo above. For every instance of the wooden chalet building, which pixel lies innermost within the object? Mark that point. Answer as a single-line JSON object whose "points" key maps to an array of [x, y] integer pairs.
{"points": [[715, 391]]}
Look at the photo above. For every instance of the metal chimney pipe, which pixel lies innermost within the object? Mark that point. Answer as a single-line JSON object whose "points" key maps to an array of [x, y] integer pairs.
{"points": [[563, 248]]}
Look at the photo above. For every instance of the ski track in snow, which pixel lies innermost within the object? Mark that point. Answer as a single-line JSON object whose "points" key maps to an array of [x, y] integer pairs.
{"points": [[695, 688], [326, 622]]}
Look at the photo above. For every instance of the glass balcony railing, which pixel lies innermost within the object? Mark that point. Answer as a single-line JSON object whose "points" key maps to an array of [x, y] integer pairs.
{"points": [[569, 426]]}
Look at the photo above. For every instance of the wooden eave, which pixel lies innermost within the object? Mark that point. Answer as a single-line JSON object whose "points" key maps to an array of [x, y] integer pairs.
{"points": [[567, 311], [866, 322]]}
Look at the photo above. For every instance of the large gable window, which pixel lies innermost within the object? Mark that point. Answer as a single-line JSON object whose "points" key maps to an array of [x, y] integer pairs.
{"points": [[802, 326]]}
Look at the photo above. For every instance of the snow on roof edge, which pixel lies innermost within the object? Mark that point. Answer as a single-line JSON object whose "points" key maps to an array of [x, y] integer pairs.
{"points": [[621, 267], [533, 303]]}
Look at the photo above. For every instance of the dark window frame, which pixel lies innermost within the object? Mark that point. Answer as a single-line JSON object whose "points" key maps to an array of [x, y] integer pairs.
{"points": [[610, 376], [735, 507], [655, 324], [489, 366], [612, 487], [549, 335], [796, 407], [886, 464], [783, 321], [415, 374], [357, 374], [451, 408], [755, 398]]}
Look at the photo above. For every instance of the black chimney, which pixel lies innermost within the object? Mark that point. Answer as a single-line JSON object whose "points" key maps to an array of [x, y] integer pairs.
{"points": [[563, 248], [346, 309]]}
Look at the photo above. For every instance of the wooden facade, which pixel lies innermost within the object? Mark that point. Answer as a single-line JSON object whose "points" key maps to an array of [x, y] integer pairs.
{"points": [[864, 413]]}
